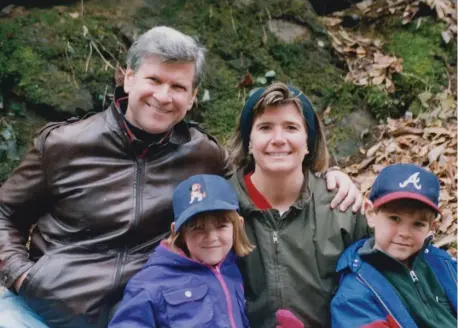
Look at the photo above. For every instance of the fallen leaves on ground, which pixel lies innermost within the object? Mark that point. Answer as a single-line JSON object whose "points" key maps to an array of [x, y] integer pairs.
{"points": [[365, 59]]}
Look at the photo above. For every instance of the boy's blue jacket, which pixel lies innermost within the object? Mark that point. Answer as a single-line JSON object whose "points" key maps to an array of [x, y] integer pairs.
{"points": [[175, 291], [366, 299]]}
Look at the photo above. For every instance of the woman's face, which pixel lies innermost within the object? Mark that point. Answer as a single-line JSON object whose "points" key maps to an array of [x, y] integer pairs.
{"points": [[278, 140]]}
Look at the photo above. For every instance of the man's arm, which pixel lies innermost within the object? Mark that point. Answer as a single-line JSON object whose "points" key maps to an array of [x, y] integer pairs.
{"points": [[21, 204]]}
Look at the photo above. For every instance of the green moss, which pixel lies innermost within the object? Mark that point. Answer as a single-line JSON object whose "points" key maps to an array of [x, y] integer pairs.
{"points": [[347, 97], [47, 55], [421, 50], [420, 46]]}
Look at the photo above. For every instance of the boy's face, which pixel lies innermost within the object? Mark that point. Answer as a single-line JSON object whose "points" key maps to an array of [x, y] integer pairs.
{"points": [[400, 234], [209, 242]]}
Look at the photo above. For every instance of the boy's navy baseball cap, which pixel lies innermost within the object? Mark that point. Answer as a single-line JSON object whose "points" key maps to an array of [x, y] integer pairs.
{"points": [[400, 181], [202, 193]]}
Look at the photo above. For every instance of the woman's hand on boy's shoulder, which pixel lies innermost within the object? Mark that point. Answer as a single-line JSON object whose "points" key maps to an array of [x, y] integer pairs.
{"points": [[348, 194]]}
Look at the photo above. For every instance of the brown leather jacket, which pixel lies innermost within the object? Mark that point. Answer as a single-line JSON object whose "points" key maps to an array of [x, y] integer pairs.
{"points": [[100, 204]]}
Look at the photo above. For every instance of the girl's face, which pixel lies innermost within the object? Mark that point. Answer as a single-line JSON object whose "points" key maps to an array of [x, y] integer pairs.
{"points": [[279, 140], [209, 241]]}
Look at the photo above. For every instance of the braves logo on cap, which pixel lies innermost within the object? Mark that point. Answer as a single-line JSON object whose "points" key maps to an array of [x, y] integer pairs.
{"points": [[406, 181], [196, 193], [413, 179]]}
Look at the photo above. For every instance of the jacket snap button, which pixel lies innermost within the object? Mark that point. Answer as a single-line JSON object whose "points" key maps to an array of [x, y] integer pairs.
{"points": [[426, 251], [188, 293]]}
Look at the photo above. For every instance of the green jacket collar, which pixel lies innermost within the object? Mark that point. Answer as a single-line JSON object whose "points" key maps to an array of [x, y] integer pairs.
{"points": [[247, 206], [382, 260]]}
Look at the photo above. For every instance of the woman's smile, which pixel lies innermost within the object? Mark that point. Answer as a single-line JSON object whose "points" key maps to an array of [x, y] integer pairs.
{"points": [[279, 140]]}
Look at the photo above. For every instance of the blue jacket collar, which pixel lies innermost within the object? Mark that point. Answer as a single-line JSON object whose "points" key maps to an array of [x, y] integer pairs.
{"points": [[165, 256]]}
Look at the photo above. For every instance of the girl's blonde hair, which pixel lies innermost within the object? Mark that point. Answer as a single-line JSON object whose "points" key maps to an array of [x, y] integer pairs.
{"points": [[278, 95], [241, 244]]}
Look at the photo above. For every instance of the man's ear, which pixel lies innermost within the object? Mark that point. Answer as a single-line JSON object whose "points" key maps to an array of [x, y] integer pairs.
{"points": [[172, 228], [194, 95], [370, 212], [128, 79]]}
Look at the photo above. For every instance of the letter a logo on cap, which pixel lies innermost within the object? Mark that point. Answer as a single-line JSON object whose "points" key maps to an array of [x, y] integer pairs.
{"points": [[413, 179]]}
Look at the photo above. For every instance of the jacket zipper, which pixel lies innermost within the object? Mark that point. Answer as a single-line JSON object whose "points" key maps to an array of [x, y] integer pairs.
{"points": [[218, 275], [275, 238], [379, 299], [416, 282], [138, 191], [278, 289], [138, 203]]}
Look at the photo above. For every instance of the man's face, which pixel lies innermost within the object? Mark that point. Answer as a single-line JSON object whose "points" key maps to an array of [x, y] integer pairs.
{"points": [[400, 234], [160, 94]]}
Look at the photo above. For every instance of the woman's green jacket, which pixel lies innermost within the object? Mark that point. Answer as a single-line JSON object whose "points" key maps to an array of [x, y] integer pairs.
{"points": [[293, 264]]}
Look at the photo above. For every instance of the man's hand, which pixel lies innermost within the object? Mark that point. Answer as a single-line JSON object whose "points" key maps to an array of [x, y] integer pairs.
{"points": [[286, 319], [347, 194], [19, 281]]}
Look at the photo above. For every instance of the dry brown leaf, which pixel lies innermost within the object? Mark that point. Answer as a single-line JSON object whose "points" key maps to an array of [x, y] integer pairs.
{"points": [[378, 80], [450, 151], [365, 163], [391, 148], [377, 168], [361, 52], [332, 21], [446, 220], [444, 196], [435, 131], [444, 241], [434, 154], [371, 152], [406, 130]]}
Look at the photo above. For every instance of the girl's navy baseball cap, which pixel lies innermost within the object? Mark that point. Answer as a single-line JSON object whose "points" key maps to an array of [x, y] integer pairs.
{"points": [[202, 193]]}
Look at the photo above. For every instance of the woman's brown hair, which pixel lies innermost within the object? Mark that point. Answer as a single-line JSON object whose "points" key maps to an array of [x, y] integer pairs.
{"points": [[278, 95], [241, 243]]}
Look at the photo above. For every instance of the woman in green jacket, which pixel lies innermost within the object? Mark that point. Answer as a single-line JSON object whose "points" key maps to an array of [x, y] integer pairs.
{"points": [[279, 148]]}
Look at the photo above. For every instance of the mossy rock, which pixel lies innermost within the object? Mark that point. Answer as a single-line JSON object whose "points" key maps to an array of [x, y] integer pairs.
{"points": [[45, 56], [58, 61]]}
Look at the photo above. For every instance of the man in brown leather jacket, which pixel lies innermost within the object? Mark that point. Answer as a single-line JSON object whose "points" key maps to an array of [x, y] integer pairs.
{"points": [[100, 191]]}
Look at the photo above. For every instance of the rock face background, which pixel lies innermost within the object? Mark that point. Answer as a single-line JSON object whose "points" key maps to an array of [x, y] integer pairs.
{"points": [[58, 59]]}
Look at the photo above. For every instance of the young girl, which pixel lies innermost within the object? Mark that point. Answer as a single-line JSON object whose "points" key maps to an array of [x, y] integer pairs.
{"points": [[191, 279]]}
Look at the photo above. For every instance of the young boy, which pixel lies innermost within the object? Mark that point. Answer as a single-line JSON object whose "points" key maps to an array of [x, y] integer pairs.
{"points": [[397, 278]]}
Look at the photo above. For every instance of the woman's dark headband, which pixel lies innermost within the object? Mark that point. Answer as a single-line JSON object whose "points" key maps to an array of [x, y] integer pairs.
{"points": [[246, 119]]}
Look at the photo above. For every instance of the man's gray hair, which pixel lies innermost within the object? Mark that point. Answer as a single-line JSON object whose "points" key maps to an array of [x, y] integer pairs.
{"points": [[169, 45]]}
